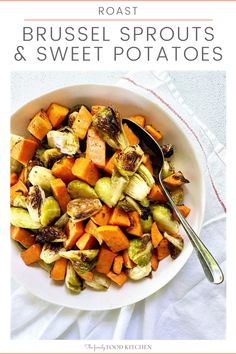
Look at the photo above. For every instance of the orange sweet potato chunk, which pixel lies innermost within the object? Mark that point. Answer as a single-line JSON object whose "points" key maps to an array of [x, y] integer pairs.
{"points": [[40, 125], [56, 114]]}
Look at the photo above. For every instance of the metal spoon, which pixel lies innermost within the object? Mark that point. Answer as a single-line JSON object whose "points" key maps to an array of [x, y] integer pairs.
{"points": [[211, 268]]}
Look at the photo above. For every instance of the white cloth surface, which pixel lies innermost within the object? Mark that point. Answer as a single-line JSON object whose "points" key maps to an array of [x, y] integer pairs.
{"points": [[189, 307]]}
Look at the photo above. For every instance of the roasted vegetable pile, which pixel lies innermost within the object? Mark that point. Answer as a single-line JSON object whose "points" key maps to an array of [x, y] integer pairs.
{"points": [[85, 202]]}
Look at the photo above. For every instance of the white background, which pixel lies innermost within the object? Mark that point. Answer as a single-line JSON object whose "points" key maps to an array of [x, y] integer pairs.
{"points": [[11, 16]]}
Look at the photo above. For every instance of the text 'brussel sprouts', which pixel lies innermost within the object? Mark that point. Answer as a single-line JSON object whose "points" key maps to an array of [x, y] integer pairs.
{"points": [[164, 219], [83, 208], [140, 250], [72, 281], [138, 272], [80, 189], [128, 160], [20, 217], [108, 125], [82, 261], [65, 141]]}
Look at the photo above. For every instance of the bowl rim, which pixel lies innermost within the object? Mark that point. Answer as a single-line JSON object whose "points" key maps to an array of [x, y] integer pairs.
{"points": [[171, 114]]}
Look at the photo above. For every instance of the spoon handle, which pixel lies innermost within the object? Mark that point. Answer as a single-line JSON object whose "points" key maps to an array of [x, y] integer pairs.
{"points": [[211, 268]]}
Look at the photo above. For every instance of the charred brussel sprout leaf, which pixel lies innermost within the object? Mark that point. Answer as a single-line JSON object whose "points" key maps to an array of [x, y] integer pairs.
{"points": [[65, 141], [99, 282], [104, 191], [167, 170], [168, 150], [83, 208], [72, 281], [164, 219], [82, 261], [62, 221], [50, 211], [138, 272], [144, 172], [128, 160], [50, 234], [50, 156], [118, 185], [20, 217], [35, 201], [39, 152], [140, 250], [176, 244], [129, 204], [80, 189], [45, 266], [15, 166], [108, 125], [20, 202], [50, 252], [146, 224], [177, 195], [42, 177], [137, 188]]}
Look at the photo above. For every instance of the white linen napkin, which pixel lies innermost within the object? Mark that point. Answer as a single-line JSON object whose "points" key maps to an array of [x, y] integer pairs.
{"points": [[189, 307]]}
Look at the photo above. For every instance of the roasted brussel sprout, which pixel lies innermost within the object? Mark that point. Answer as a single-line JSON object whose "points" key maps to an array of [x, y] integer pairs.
{"points": [[140, 250], [35, 201], [167, 150], [20, 217], [108, 125], [118, 185], [45, 266], [80, 189], [176, 244], [15, 166], [138, 272], [42, 177], [62, 221], [72, 281], [167, 170], [50, 234], [20, 201], [177, 195], [137, 188], [99, 282], [104, 191], [128, 160], [82, 261], [144, 172], [50, 252], [50, 156], [65, 141], [146, 223], [50, 211], [129, 204], [83, 208], [164, 219]]}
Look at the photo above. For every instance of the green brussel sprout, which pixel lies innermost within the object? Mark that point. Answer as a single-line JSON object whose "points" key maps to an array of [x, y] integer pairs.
{"points": [[49, 211], [45, 266], [99, 282], [177, 195], [145, 202], [118, 185], [50, 156], [20, 217], [20, 202], [39, 152], [146, 223], [15, 139], [140, 250], [15, 166], [129, 204], [108, 125], [164, 219], [50, 234], [144, 172], [50, 252], [138, 272], [42, 177], [65, 141], [35, 201], [137, 188], [176, 244], [82, 261], [128, 160], [72, 281], [62, 221], [80, 189], [83, 208], [104, 191], [167, 170]]}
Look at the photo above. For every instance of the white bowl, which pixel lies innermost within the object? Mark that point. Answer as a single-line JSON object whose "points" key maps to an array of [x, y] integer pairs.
{"points": [[35, 279]]}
